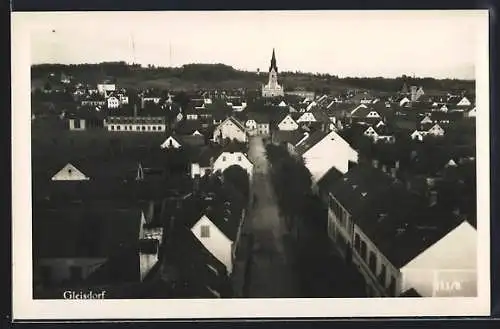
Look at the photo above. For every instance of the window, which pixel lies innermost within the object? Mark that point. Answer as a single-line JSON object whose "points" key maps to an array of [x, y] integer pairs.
{"points": [[372, 262], [239, 158], [160, 128], [129, 127], [357, 242], [224, 158], [137, 128], [118, 127], [383, 274], [112, 127], [149, 128], [75, 273], [154, 128], [363, 250], [205, 231], [143, 128], [77, 124]]}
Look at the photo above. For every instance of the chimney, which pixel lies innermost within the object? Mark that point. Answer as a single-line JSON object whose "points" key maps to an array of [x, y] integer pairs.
{"points": [[394, 172], [384, 168], [135, 109], [396, 164], [456, 211], [375, 163], [432, 198]]}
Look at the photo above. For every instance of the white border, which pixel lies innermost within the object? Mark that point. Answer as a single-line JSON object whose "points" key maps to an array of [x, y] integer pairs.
{"points": [[25, 308]]}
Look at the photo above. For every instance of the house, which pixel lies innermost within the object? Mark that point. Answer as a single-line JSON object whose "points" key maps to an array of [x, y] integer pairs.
{"points": [[238, 105], [74, 243], [287, 123], [105, 88], [464, 102], [470, 113], [418, 135], [204, 163], [397, 241], [404, 102], [322, 151], [317, 115], [136, 123], [230, 128], [436, 130], [257, 123], [215, 221], [191, 114], [91, 100], [113, 102], [188, 269], [77, 124], [69, 173], [170, 143], [363, 113], [228, 159]]}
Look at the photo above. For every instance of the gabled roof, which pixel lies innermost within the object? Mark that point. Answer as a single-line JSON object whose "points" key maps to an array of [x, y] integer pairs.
{"points": [[312, 140], [258, 117], [189, 270], [235, 121], [320, 115], [399, 223]]}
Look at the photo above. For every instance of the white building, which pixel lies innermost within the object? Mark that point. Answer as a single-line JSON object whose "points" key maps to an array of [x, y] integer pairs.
{"points": [[323, 151], [104, 88], [272, 88], [228, 159], [230, 128], [288, 124], [136, 124]]}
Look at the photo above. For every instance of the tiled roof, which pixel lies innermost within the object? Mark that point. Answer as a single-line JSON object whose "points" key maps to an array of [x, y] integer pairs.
{"points": [[100, 229], [258, 117], [190, 270], [399, 223], [292, 136], [312, 140]]}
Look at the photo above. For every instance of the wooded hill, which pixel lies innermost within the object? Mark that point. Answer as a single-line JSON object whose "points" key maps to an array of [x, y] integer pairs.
{"points": [[194, 76]]}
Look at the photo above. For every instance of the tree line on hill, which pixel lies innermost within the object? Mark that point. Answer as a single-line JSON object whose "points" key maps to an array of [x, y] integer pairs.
{"points": [[222, 72]]}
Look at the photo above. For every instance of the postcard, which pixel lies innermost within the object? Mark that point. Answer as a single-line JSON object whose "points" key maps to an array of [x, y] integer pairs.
{"points": [[250, 164]]}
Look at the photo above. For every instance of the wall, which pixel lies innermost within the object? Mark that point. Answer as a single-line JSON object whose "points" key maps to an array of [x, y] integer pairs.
{"points": [[147, 261], [232, 158], [218, 244], [231, 131], [371, 278], [452, 257], [329, 154], [288, 124]]}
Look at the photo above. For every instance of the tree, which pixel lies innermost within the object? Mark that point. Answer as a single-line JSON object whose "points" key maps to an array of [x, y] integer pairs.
{"points": [[238, 178]]}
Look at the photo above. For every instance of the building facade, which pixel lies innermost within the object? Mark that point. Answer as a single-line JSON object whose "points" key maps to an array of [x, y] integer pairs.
{"points": [[272, 88]]}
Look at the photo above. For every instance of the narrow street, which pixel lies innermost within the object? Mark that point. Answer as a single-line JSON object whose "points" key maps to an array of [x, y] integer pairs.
{"points": [[268, 268]]}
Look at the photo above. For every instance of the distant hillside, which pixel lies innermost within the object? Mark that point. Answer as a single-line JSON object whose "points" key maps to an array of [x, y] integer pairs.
{"points": [[192, 76]]}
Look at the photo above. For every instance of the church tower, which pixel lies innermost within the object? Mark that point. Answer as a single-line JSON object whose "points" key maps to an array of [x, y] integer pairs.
{"points": [[272, 89]]}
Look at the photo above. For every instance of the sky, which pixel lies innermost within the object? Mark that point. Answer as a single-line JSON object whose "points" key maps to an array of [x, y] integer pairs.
{"points": [[440, 44]]}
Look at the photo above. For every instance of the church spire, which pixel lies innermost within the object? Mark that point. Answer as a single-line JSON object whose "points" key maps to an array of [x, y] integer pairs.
{"points": [[273, 63]]}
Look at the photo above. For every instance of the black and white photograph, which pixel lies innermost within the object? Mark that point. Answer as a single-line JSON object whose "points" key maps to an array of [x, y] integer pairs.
{"points": [[250, 164]]}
